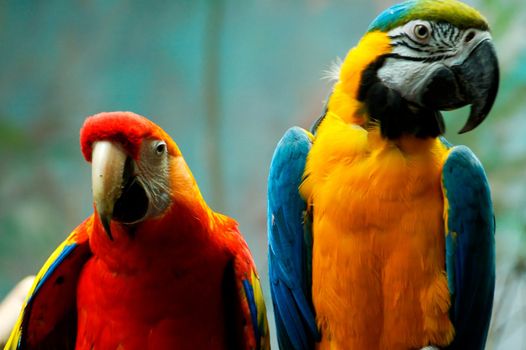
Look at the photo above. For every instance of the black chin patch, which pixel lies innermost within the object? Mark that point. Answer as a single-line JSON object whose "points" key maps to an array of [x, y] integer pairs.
{"points": [[132, 205], [395, 114], [443, 91]]}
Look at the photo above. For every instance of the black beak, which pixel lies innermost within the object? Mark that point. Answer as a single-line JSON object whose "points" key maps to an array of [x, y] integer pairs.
{"points": [[475, 81]]}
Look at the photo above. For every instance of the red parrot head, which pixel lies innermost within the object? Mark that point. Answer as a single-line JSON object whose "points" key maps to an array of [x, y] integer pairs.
{"points": [[133, 165]]}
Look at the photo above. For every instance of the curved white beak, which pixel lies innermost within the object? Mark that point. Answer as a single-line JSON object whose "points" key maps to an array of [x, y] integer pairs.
{"points": [[107, 167]]}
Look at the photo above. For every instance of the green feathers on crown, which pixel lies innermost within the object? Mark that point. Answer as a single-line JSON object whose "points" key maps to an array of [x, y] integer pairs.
{"points": [[452, 11]]}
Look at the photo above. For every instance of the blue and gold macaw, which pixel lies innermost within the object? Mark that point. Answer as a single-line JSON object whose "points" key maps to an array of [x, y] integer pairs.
{"points": [[381, 233]]}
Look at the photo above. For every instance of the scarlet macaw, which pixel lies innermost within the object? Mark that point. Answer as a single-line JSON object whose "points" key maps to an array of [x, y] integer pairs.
{"points": [[381, 233], [154, 267]]}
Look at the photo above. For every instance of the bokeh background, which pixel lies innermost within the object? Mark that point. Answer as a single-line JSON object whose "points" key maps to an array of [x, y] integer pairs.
{"points": [[225, 78]]}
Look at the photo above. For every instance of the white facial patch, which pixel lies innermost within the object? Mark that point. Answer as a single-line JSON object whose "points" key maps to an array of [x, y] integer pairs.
{"points": [[422, 47], [154, 175]]}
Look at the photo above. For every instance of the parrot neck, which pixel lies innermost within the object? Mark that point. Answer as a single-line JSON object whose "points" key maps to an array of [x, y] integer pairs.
{"points": [[344, 98], [179, 233]]}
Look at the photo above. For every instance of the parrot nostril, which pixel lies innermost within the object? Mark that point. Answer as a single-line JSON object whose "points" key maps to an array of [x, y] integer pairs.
{"points": [[469, 36]]}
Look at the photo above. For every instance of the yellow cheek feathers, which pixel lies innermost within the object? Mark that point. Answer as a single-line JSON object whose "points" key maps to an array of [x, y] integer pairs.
{"points": [[343, 99]]}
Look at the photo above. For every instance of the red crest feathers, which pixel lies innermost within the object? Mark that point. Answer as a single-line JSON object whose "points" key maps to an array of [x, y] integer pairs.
{"points": [[126, 128]]}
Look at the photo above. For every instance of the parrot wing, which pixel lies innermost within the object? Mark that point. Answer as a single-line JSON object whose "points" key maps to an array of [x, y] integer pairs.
{"points": [[245, 309], [48, 317], [253, 308], [290, 243], [470, 247]]}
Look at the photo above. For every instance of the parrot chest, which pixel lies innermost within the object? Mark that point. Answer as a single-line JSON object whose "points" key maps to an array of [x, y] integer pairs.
{"points": [[378, 252], [170, 301]]}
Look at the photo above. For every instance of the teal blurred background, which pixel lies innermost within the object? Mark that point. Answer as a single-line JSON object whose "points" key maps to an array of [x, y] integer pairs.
{"points": [[225, 78]]}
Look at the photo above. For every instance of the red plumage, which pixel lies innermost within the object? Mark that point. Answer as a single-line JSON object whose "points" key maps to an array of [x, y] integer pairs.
{"points": [[181, 279], [172, 295], [126, 128]]}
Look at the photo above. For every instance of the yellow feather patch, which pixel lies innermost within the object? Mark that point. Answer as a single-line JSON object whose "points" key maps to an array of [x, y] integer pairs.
{"points": [[343, 99], [261, 311], [446, 202], [452, 11]]}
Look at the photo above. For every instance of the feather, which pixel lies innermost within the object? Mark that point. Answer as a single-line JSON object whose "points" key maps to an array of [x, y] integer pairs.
{"points": [[470, 247], [290, 244]]}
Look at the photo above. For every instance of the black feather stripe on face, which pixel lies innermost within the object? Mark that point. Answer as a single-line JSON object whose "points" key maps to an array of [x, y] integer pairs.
{"points": [[442, 46], [396, 116]]}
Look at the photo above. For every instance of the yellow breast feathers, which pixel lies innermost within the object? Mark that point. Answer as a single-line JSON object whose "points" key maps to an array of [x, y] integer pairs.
{"points": [[378, 254]]}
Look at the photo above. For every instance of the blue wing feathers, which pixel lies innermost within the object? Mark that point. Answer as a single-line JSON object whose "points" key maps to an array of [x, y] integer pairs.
{"points": [[249, 292], [283, 341], [450, 262], [289, 317], [470, 247], [289, 244]]}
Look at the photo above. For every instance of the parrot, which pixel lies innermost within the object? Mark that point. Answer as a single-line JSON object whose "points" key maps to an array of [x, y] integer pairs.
{"points": [[153, 267], [381, 233]]}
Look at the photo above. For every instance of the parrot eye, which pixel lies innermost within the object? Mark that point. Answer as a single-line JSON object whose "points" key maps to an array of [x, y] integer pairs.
{"points": [[469, 36], [421, 32], [160, 148]]}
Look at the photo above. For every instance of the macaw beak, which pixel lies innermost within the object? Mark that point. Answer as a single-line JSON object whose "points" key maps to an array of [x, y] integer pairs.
{"points": [[118, 193], [107, 164], [475, 81]]}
